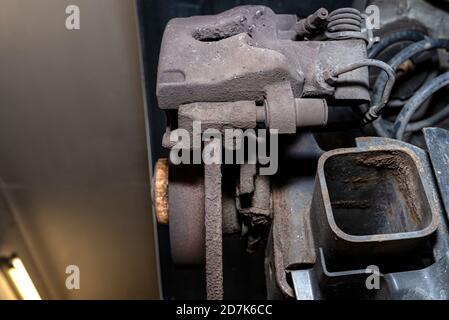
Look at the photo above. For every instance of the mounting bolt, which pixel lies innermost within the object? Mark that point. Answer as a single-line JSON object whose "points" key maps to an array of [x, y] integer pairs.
{"points": [[160, 190]]}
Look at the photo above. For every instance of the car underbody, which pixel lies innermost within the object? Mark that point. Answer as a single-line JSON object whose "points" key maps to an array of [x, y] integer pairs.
{"points": [[349, 196]]}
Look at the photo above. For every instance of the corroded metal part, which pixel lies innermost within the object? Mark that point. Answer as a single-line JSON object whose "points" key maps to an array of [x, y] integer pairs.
{"points": [[371, 203], [311, 112], [411, 238], [160, 190], [200, 61], [187, 213], [281, 111], [220, 41], [246, 181], [259, 203], [214, 233], [312, 24], [291, 244], [376, 203], [437, 141], [218, 115]]}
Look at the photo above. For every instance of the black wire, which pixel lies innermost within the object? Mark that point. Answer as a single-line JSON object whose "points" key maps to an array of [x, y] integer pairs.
{"points": [[421, 124], [415, 102], [381, 125], [403, 56], [406, 35], [430, 121]]}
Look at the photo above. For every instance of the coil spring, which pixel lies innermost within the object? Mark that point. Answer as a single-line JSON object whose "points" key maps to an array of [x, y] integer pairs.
{"points": [[345, 23]]}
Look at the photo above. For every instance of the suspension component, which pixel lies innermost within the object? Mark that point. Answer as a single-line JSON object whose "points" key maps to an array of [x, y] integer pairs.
{"points": [[345, 23]]}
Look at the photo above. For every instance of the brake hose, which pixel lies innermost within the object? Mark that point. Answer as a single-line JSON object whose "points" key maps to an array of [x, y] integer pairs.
{"points": [[375, 109]]}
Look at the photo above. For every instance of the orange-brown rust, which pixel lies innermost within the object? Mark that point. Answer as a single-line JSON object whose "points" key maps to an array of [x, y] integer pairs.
{"points": [[160, 190], [404, 69]]}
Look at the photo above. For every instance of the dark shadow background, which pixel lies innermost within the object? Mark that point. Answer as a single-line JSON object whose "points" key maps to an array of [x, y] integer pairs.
{"points": [[244, 274]]}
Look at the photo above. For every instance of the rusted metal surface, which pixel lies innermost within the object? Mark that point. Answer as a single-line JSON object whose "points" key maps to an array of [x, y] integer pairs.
{"points": [[371, 202], [213, 227], [291, 245], [313, 24], [218, 115], [221, 41], [273, 63], [255, 210], [259, 202], [345, 23], [246, 181], [187, 213], [437, 141], [344, 252], [298, 240], [311, 112], [160, 190], [281, 111]]}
